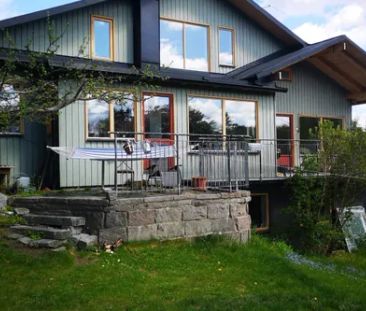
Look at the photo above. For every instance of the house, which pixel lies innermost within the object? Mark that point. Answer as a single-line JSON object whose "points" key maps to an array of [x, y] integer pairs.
{"points": [[229, 61]]}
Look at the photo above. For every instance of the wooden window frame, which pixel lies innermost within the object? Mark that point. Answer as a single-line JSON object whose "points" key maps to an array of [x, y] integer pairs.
{"points": [[223, 99], [111, 121], [109, 20], [233, 45], [171, 114], [184, 22], [267, 224], [292, 133]]}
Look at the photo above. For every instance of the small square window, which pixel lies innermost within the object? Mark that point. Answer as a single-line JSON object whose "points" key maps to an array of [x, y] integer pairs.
{"points": [[102, 38], [284, 75]]}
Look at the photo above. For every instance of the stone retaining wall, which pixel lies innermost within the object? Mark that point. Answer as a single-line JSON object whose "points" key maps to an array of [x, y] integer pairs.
{"points": [[161, 217]]}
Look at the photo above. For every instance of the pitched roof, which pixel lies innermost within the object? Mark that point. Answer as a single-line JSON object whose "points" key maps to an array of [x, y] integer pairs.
{"points": [[172, 76], [275, 62], [22, 19], [248, 7], [339, 58]]}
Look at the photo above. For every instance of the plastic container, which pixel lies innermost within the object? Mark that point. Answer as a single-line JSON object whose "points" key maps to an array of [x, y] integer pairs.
{"points": [[199, 183], [23, 182]]}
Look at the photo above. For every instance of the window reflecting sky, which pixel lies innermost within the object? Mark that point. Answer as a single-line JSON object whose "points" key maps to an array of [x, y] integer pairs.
{"points": [[172, 49], [196, 47], [240, 112], [102, 39], [226, 47], [171, 44]]}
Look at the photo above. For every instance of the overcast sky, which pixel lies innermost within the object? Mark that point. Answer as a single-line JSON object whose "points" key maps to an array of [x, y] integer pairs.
{"points": [[312, 20]]}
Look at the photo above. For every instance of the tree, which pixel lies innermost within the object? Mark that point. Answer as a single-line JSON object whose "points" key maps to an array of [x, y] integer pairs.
{"points": [[30, 82], [326, 186]]}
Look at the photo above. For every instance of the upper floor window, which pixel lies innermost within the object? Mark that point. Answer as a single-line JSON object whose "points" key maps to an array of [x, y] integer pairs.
{"points": [[10, 121], [102, 37], [222, 116], [226, 47], [184, 45], [103, 118]]}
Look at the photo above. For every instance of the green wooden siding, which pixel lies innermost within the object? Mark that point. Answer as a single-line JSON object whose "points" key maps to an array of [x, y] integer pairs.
{"points": [[312, 93], [74, 29], [26, 153], [252, 42]]}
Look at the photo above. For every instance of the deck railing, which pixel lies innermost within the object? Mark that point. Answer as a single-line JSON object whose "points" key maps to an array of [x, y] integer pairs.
{"points": [[171, 162]]}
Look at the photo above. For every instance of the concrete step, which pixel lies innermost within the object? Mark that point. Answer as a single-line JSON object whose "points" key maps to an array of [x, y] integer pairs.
{"points": [[51, 220], [45, 232], [42, 243]]}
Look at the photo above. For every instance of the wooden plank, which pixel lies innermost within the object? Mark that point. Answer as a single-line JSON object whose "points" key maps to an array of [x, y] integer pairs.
{"points": [[348, 82]]}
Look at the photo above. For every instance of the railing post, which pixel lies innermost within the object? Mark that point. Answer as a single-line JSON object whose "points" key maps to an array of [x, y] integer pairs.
{"points": [[115, 165], [246, 161], [229, 163], [178, 170]]}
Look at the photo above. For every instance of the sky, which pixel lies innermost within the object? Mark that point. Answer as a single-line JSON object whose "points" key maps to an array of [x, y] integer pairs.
{"points": [[312, 20]]}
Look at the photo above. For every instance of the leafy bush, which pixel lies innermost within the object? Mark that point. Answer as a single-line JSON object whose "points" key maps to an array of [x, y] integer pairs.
{"points": [[325, 185]]}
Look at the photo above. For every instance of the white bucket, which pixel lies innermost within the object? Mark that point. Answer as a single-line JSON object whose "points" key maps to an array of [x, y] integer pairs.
{"points": [[23, 182]]}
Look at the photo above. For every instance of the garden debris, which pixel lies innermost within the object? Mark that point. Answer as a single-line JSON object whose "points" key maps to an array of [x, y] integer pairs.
{"points": [[111, 248], [3, 201]]}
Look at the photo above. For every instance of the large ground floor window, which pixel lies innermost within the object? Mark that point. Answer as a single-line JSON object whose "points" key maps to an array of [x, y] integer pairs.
{"points": [[158, 115], [104, 118], [222, 116], [309, 126], [10, 121]]}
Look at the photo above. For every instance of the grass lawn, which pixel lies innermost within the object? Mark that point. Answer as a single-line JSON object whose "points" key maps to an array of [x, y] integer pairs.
{"points": [[207, 274]]}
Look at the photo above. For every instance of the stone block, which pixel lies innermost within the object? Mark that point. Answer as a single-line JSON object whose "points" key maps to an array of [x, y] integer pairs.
{"points": [[112, 235], [14, 236], [93, 221], [194, 212], [45, 232], [21, 211], [26, 241], [197, 228], [208, 196], [223, 225], [83, 240], [48, 243], [237, 210], [116, 219], [165, 215], [166, 204], [141, 218], [161, 198], [215, 211], [170, 230], [52, 220], [142, 233], [242, 223]]}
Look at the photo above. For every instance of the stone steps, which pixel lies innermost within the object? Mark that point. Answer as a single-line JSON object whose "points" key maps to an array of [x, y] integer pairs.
{"points": [[42, 243], [57, 221], [45, 232]]}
